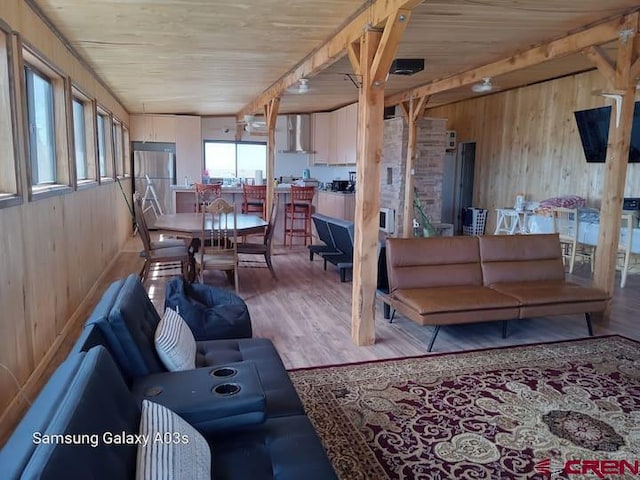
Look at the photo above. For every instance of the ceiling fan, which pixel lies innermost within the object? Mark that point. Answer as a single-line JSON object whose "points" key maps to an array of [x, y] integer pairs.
{"points": [[301, 88], [483, 87], [252, 124]]}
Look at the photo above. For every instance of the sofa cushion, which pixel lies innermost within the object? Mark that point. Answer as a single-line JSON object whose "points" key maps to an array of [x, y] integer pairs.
{"points": [[541, 293], [521, 258], [433, 262], [453, 299], [128, 323], [211, 313], [174, 342], [174, 448], [286, 448], [96, 411]]}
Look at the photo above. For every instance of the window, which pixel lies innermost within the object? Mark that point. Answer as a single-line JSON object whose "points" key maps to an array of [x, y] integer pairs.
{"points": [[42, 142], [105, 148], [234, 159], [80, 140], [84, 137], [47, 137], [9, 192]]}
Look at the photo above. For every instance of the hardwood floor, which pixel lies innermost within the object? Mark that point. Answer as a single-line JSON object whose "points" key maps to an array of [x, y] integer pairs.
{"points": [[307, 314]]}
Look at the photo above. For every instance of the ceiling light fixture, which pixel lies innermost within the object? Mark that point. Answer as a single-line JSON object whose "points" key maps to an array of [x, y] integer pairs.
{"points": [[483, 87], [406, 66]]}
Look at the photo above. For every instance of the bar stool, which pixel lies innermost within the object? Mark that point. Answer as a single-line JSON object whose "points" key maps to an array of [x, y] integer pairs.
{"points": [[206, 193], [299, 209], [253, 199], [508, 221]]}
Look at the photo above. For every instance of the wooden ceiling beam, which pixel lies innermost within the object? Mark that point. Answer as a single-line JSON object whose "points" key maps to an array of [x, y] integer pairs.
{"points": [[393, 31], [635, 68], [331, 51], [271, 116], [573, 43], [420, 107], [353, 51], [615, 171], [601, 60]]}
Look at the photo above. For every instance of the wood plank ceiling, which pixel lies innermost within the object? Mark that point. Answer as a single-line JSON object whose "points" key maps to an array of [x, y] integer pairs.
{"points": [[210, 57]]}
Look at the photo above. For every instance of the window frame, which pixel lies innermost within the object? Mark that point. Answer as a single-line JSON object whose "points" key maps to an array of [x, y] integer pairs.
{"points": [[117, 135], [101, 112], [32, 59], [126, 150], [10, 171], [235, 143], [88, 106]]}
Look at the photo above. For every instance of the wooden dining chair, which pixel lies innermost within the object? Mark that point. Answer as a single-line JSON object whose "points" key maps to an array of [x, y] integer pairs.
{"points": [[206, 193], [565, 223], [263, 248], [254, 199], [169, 255], [219, 249]]}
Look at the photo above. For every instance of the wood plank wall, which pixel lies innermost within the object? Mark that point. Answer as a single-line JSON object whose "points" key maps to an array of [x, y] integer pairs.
{"points": [[527, 141], [52, 250]]}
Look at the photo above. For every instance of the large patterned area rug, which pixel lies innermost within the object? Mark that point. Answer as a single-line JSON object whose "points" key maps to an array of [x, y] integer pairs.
{"points": [[556, 410]]}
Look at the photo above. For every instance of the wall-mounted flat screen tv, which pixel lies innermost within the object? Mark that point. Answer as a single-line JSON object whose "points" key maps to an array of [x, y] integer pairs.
{"points": [[593, 125]]}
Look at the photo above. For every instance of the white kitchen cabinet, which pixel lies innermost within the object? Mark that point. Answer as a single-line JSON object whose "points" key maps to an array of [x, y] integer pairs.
{"points": [[153, 128], [189, 155], [347, 134], [321, 133], [343, 132]]}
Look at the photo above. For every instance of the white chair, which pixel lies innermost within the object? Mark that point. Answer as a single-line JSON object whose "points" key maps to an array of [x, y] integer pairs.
{"points": [[508, 222], [565, 223], [625, 240]]}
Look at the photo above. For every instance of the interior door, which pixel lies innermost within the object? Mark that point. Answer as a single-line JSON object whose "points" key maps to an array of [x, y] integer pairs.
{"points": [[464, 189]]}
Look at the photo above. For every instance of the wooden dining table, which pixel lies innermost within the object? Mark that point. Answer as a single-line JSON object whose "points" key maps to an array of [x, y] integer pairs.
{"points": [[190, 224]]}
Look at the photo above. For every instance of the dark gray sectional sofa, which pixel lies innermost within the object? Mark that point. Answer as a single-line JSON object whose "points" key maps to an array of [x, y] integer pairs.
{"points": [[239, 397]]}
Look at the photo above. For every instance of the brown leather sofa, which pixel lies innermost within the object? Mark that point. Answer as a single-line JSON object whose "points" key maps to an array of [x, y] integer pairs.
{"points": [[449, 280]]}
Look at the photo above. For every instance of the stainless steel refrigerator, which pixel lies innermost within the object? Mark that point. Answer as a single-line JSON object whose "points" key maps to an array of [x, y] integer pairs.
{"points": [[154, 171]]}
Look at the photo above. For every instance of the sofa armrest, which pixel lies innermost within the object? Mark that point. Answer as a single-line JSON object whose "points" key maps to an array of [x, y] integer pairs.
{"points": [[211, 399]]}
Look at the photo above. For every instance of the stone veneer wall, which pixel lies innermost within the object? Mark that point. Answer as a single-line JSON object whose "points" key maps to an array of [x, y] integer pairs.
{"points": [[394, 160], [429, 166]]}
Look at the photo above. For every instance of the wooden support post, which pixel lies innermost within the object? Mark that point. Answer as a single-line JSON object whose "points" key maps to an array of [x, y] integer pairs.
{"points": [[616, 162], [376, 54], [271, 116], [415, 110]]}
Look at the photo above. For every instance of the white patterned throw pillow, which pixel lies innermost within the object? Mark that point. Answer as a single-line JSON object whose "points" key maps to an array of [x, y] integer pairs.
{"points": [[175, 344], [171, 448]]}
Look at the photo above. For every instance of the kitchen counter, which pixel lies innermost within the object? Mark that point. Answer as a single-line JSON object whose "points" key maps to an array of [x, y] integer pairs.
{"points": [[337, 204], [183, 198], [342, 194]]}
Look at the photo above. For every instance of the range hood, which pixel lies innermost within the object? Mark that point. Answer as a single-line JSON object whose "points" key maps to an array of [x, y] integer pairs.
{"points": [[298, 134]]}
